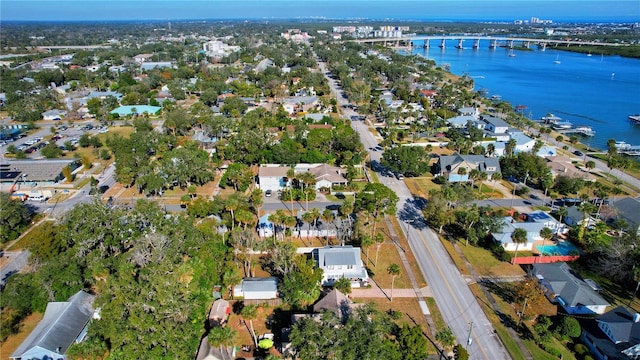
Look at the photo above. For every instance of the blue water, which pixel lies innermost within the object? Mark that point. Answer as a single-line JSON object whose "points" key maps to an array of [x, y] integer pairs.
{"points": [[562, 248], [598, 91]]}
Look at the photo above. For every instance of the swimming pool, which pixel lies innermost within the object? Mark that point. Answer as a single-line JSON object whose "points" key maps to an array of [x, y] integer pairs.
{"points": [[561, 248]]}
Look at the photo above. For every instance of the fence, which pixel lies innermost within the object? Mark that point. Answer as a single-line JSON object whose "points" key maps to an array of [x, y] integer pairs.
{"points": [[543, 259]]}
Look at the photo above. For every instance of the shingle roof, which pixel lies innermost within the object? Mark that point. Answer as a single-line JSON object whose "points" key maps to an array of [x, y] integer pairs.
{"points": [[623, 328], [339, 255], [628, 208], [482, 162], [337, 303], [569, 286], [60, 326], [279, 171]]}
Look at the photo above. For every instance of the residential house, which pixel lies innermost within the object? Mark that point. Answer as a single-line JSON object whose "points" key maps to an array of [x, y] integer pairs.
{"points": [[460, 121], [509, 225], [300, 103], [628, 209], [341, 261], [328, 176], [272, 177], [219, 313], [263, 65], [53, 114], [495, 125], [469, 111], [140, 58], [337, 303], [564, 287], [614, 335], [576, 217], [563, 166], [208, 352], [36, 173], [64, 323], [265, 227], [257, 288], [546, 220], [449, 166], [523, 142], [148, 65]]}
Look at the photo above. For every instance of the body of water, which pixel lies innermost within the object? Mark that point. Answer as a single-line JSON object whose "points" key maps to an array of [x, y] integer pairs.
{"points": [[597, 91]]}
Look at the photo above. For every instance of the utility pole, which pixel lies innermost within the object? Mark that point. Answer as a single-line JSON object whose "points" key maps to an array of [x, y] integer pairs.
{"points": [[469, 336], [522, 312]]}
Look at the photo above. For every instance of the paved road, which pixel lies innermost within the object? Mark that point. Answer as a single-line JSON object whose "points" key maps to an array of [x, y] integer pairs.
{"points": [[460, 309], [17, 261]]}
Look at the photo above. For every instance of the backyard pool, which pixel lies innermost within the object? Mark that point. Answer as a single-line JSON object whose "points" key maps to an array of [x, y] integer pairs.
{"points": [[561, 248]]}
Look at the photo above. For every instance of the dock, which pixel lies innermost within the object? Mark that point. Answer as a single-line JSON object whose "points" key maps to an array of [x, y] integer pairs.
{"points": [[628, 149]]}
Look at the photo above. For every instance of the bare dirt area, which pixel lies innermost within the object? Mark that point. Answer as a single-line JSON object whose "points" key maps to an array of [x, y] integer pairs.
{"points": [[11, 344]]}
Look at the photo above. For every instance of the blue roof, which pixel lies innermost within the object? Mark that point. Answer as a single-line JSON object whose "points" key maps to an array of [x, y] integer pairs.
{"points": [[140, 109]]}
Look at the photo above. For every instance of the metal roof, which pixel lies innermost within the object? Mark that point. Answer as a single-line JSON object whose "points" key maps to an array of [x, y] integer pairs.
{"points": [[60, 326]]}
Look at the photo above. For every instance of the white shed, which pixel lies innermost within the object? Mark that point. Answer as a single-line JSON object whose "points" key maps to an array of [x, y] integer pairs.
{"points": [[257, 288]]}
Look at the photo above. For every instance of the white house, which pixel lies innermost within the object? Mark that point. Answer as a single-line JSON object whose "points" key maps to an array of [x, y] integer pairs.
{"points": [[503, 236], [341, 261], [564, 287], [523, 142], [328, 176], [257, 288], [495, 125], [272, 177], [54, 114]]}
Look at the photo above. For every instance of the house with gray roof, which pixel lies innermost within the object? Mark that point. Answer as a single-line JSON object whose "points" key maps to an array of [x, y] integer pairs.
{"points": [[64, 323], [255, 288], [614, 335], [495, 125], [509, 226], [337, 303], [36, 172], [341, 261], [450, 166], [566, 288], [628, 209]]}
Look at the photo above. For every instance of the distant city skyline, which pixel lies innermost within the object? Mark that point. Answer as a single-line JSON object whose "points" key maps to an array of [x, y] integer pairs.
{"points": [[435, 10]]}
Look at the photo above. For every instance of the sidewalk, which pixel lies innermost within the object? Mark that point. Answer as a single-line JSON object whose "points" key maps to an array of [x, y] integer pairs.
{"points": [[375, 292]]}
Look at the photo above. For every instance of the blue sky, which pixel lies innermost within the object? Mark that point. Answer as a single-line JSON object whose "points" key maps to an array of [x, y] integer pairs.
{"points": [[442, 10]]}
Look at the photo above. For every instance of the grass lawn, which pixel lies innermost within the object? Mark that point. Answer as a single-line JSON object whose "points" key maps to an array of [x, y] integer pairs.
{"points": [[26, 326], [501, 330], [420, 186], [485, 264], [455, 257], [348, 198], [540, 354], [409, 254], [386, 256]]}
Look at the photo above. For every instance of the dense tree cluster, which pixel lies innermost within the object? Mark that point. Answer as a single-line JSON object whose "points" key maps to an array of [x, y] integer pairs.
{"points": [[14, 218], [366, 334], [152, 273]]}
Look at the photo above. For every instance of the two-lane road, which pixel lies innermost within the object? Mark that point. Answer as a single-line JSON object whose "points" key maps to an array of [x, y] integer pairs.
{"points": [[460, 309]]}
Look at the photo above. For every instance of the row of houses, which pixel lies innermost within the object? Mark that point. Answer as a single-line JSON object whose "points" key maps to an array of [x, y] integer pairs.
{"points": [[612, 335], [275, 177]]}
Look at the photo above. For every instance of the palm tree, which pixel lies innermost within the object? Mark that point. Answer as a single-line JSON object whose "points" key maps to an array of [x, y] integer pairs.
{"points": [[309, 181], [636, 278], [327, 217], [290, 221], [545, 234], [562, 211], [393, 270], [308, 218], [519, 236], [291, 175], [250, 312], [231, 205]]}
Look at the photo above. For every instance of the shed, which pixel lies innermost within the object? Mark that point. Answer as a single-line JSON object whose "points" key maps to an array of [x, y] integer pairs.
{"points": [[219, 313]]}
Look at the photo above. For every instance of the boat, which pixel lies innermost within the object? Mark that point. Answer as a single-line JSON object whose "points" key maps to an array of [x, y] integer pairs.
{"points": [[551, 119], [635, 118], [562, 125], [511, 54], [583, 130], [557, 60], [495, 98]]}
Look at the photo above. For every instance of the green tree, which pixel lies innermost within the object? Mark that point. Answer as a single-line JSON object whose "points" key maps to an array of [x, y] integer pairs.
{"points": [[568, 327], [250, 312], [406, 160], [460, 353], [51, 151], [301, 286], [393, 270], [377, 200], [14, 218], [546, 234], [519, 236], [412, 342], [446, 338], [343, 285]]}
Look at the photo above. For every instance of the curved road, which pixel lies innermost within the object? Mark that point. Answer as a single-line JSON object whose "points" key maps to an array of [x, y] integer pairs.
{"points": [[460, 309]]}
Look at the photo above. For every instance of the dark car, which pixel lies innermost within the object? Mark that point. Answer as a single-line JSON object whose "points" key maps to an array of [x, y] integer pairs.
{"points": [[578, 153], [30, 150]]}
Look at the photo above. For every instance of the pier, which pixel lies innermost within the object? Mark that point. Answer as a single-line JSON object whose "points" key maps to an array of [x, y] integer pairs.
{"points": [[628, 149]]}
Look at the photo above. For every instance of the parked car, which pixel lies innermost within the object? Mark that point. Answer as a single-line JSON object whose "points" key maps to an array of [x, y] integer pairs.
{"points": [[578, 153], [268, 193]]}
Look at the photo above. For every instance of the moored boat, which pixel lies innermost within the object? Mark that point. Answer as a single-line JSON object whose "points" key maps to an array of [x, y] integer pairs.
{"points": [[635, 118], [583, 130]]}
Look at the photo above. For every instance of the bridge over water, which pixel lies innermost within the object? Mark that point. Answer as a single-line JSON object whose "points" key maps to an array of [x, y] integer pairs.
{"points": [[494, 41]]}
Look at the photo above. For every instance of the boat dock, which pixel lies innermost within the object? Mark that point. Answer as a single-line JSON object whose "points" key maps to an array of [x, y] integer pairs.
{"points": [[628, 149], [579, 130]]}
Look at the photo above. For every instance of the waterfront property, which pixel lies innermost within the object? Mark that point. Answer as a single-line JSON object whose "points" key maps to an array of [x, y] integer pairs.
{"points": [[613, 335], [564, 287]]}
